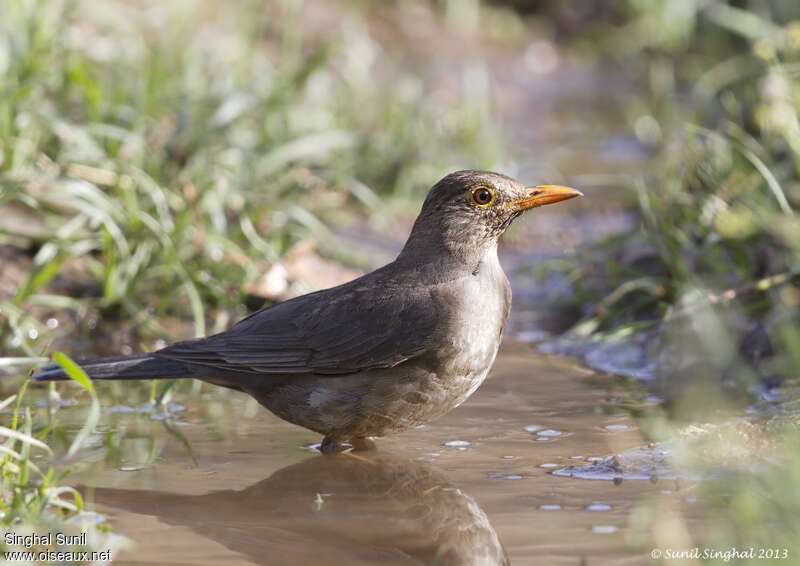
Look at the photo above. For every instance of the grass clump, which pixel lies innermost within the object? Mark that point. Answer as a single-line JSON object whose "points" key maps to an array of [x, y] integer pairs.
{"points": [[707, 285], [711, 271], [154, 159], [33, 498]]}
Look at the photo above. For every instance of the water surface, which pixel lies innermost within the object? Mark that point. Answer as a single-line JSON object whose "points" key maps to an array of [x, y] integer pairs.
{"points": [[475, 487]]}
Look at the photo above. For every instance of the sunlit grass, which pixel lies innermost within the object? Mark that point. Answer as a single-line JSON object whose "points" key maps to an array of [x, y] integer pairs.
{"points": [[33, 498], [717, 205], [167, 160], [709, 278]]}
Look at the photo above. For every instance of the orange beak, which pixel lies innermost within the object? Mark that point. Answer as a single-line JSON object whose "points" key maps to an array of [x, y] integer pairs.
{"points": [[544, 194]]}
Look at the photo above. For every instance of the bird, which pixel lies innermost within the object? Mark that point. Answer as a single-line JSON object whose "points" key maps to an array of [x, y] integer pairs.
{"points": [[388, 351]]}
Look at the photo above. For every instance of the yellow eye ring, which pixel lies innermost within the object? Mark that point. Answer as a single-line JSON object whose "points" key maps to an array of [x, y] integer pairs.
{"points": [[482, 197]]}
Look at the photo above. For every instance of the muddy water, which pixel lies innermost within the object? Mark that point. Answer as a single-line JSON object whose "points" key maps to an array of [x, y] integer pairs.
{"points": [[472, 488]]}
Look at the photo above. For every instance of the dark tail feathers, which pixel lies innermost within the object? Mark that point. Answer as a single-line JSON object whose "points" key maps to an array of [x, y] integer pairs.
{"points": [[142, 366]]}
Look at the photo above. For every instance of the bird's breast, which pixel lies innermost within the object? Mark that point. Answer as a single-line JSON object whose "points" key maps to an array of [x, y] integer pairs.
{"points": [[478, 311]]}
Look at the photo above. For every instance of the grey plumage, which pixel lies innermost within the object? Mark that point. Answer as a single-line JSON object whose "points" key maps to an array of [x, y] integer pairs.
{"points": [[389, 350], [140, 366]]}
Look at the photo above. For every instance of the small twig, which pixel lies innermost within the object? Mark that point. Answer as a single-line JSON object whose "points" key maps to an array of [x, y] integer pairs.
{"points": [[726, 297]]}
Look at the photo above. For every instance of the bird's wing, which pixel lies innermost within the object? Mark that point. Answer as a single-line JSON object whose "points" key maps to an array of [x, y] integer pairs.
{"points": [[337, 331]]}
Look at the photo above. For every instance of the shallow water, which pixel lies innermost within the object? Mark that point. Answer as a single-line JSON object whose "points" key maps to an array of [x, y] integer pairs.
{"points": [[254, 492]]}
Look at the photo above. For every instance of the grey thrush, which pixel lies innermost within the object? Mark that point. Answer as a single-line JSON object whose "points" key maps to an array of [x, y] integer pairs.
{"points": [[385, 352]]}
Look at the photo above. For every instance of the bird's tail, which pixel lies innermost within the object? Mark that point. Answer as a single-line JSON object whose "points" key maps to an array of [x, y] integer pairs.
{"points": [[142, 366]]}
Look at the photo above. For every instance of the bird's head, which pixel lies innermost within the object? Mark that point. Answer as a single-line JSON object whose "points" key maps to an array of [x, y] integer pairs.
{"points": [[467, 211]]}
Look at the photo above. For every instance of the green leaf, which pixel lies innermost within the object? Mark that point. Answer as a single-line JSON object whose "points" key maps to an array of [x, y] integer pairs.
{"points": [[74, 371], [24, 438]]}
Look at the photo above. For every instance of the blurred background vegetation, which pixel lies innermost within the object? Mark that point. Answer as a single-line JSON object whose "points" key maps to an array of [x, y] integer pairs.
{"points": [[161, 161]]}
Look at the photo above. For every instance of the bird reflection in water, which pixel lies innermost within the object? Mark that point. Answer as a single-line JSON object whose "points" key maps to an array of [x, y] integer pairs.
{"points": [[349, 509]]}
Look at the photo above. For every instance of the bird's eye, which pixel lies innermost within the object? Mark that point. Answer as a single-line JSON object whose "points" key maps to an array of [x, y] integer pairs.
{"points": [[482, 196]]}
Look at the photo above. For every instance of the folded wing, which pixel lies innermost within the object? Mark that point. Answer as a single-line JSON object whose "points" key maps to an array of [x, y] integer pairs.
{"points": [[337, 331]]}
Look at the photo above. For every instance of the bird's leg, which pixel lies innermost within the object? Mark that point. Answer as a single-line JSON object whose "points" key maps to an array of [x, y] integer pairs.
{"points": [[363, 444], [331, 445]]}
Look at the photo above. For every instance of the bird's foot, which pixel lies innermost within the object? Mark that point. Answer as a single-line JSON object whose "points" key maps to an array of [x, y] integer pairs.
{"points": [[363, 444], [331, 445]]}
